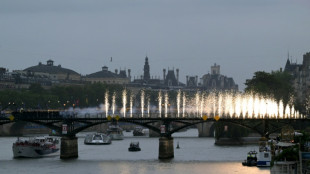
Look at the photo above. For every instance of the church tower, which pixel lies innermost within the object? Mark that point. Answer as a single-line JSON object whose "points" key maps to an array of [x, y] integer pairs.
{"points": [[146, 69]]}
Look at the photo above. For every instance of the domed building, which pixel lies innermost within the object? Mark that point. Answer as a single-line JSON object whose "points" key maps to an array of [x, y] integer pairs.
{"points": [[56, 73], [107, 77]]}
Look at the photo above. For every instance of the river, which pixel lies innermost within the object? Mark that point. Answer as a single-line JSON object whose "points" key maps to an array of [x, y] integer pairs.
{"points": [[196, 155]]}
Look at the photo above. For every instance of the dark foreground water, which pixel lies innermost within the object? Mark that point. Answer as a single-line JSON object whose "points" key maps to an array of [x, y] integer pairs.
{"points": [[196, 155]]}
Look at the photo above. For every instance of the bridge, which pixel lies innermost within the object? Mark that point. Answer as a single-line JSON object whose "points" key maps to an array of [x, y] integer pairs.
{"points": [[69, 123]]}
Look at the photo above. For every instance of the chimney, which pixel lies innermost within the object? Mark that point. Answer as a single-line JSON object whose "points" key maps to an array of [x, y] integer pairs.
{"points": [[164, 71], [116, 71], [196, 78], [177, 76]]}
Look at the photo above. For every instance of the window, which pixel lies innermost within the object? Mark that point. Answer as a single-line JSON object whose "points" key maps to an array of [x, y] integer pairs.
{"points": [[266, 155]]}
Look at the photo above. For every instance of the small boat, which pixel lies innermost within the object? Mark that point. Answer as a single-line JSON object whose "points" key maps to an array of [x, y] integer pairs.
{"points": [[138, 131], [97, 138], [264, 155], [115, 132], [251, 159], [35, 147], [134, 146]]}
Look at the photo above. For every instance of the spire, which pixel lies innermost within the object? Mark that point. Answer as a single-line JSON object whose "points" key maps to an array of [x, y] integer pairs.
{"points": [[288, 63], [146, 70]]}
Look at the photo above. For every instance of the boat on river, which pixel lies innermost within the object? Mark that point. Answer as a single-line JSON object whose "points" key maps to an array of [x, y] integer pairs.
{"points": [[115, 132], [251, 159], [264, 155], [134, 146], [139, 131], [97, 139], [35, 147]]}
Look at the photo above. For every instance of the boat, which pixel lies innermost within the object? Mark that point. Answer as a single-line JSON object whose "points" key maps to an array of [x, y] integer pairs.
{"points": [[97, 138], [134, 146], [286, 163], [251, 159], [115, 132], [35, 147], [138, 131], [264, 155]]}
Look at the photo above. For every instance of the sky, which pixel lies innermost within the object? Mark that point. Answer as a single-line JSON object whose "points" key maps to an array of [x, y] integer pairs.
{"points": [[242, 36]]}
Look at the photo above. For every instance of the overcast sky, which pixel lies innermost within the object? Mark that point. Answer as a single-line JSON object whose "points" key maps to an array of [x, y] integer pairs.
{"points": [[242, 36]]}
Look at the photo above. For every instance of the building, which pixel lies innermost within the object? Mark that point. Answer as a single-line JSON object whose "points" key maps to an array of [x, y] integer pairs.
{"points": [[192, 81], [216, 81], [57, 74], [107, 77], [212, 81], [169, 81], [301, 76], [44, 74]]}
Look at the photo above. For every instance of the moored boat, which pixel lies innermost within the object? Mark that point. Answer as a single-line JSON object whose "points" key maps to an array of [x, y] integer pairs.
{"points": [[97, 138], [35, 147], [264, 155]]}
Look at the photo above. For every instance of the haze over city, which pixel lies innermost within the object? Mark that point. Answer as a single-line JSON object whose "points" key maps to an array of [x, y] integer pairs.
{"points": [[241, 36]]}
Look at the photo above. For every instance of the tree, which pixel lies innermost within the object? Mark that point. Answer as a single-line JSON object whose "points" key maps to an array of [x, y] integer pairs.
{"points": [[36, 88], [275, 84]]}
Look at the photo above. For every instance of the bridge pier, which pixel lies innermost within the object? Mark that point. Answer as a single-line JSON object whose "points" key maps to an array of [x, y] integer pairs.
{"points": [[69, 147], [204, 129], [166, 148]]}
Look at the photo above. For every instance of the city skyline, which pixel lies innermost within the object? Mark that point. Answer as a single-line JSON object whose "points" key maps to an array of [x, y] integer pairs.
{"points": [[242, 37]]}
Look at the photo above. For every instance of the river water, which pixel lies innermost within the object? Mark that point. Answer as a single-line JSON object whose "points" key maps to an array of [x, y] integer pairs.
{"points": [[196, 155]]}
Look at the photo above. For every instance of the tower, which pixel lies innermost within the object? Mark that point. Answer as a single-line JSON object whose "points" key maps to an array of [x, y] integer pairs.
{"points": [[146, 70], [215, 70], [164, 74]]}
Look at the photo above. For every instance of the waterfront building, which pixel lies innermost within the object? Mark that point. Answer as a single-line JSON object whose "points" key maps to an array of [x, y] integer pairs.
{"points": [[212, 81], [192, 81], [107, 77], [57, 73], [169, 81], [44, 74], [301, 76]]}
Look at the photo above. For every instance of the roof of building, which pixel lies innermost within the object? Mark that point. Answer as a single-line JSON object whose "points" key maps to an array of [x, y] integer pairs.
{"points": [[50, 68], [171, 77], [104, 73], [290, 67]]}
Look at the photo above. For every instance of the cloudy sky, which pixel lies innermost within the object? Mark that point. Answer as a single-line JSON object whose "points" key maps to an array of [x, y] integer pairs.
{"points": [[242, 36]]}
